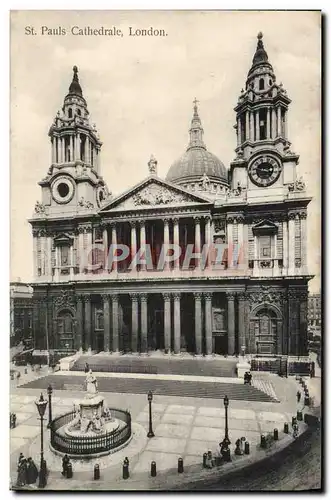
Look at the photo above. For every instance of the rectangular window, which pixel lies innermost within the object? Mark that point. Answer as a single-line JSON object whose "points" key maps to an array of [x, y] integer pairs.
{"points": [[265, 247], [64, 256]]}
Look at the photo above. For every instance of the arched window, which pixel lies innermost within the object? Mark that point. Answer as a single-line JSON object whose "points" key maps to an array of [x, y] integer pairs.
{"points": [[70, 113], [261, 84]]}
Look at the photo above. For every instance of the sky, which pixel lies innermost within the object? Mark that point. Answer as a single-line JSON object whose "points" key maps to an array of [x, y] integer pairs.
{"points": [[140, 90]]}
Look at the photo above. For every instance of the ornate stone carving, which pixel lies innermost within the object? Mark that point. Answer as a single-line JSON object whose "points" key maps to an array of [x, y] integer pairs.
{"points": [[39, 208], [134, 297], [297, 185], [65, 298], [205, 182], [86, 298], [208, 296], [155, 195], [266, 296], [242, 296], [114, 297], [293, 215], [219, 225], [177, 296], [197, 295], [133, 223], [166, 296], [231, 295], [197, 220], [238, 191], [85, 204], [85, 228], [105, 296], [303, 215], [297, 262], [143, 297]]}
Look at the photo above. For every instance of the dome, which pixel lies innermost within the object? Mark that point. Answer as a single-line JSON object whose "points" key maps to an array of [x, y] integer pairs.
{"points": [[196, 162]]}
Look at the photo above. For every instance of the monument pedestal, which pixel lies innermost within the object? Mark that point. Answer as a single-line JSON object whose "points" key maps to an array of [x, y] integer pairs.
{"points": [[243, 366]]}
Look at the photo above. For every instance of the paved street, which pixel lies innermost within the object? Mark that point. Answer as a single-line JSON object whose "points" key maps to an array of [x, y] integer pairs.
{"points": [[184, 426]]}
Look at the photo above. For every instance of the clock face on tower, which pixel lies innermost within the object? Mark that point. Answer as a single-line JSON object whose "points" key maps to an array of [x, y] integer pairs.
{"points": [[264, 171]]}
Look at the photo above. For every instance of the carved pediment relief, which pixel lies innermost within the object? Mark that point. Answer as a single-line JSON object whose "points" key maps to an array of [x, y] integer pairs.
{"points": [[63, 239], [153, 194], [265, 227]]}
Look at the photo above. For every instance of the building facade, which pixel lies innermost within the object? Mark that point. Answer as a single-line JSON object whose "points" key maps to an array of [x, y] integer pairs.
{"points": [[21, 312], [314, 311], [245, 282]]}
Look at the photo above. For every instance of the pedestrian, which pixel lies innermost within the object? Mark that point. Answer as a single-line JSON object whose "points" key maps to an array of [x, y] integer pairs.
{"points": [[20, 458], [298, 396], [295, 430], [22, 473], [65, 462], [32, 472], [87, 368], [209, 461]]}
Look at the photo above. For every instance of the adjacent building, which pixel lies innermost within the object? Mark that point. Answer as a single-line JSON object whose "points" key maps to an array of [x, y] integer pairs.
{"points": [[21, 309], [251, 294]]}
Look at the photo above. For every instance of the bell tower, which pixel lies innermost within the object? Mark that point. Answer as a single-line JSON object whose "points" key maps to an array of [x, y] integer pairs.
{"points": [[263, 155], [73, 183]]}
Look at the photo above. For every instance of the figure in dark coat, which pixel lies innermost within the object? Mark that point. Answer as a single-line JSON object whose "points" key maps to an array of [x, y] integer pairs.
{"points": [[22, 473], [65, 461], [87, 368], [32, 472]]}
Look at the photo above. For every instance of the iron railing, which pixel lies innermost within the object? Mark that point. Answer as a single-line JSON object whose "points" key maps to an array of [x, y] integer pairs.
{"points": [[87, 445]]}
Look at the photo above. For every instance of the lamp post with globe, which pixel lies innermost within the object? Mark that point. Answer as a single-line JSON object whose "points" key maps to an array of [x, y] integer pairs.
{"points": [[41, 405], [150, 433], [226, 441]]}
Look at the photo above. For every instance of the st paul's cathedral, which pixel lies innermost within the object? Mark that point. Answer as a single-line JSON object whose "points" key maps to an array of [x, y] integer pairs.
{"points": [[252, 294]]}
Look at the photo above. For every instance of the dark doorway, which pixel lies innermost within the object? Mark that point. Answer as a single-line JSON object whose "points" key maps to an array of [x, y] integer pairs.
{"points": [[220, 344]]}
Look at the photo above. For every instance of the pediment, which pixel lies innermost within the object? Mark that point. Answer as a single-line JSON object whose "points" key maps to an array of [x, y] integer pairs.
{"points": [[153, 192], [62, 239], [265, 227]]}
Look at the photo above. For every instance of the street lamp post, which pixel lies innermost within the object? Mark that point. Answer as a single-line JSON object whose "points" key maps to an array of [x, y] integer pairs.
{"points": [[150, 433], [49, 392], [41, 405], [226, 440]]}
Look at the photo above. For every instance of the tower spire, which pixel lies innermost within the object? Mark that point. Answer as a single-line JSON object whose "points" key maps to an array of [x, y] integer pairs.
{"points": [[75, 87], [196, 130], [260, 55]]}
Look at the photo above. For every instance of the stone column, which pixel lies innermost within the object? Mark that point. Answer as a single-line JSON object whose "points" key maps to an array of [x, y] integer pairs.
{"points": [[134, 312], [88, 324], [106, 322], [303, 222], [57, 263], [77, 147], [142, 243], [208, 325], [86, 152], [273, 124], [35, 252], [63, 149], [251, 135], [291, 240], [198, 323], [275, 252], [257, 125], [144, 324], [286, 124], [197, 240], [239, 130], [268, 123], [79, 323], [229, 230], [207, 241], [241, 321], [53, 150], [114, 245], [105, 246], [247, 125], [285, 245], [166, 240], [279, 121], [177, 323], [81, 249], [176, 240], [72, 149], [115, 342], [133, 225], [167, 322], [42, 251], [231, 323], [241, 251], [49, 255], [303, 337], [72, 263]]}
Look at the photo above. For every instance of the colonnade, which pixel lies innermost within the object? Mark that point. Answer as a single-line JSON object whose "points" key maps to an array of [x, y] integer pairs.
{"points": [[74, 146], [203, 320], [248, 124]]}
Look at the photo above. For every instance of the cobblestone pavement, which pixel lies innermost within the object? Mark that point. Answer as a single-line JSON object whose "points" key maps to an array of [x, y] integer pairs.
{"points": [[184, 427]]}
